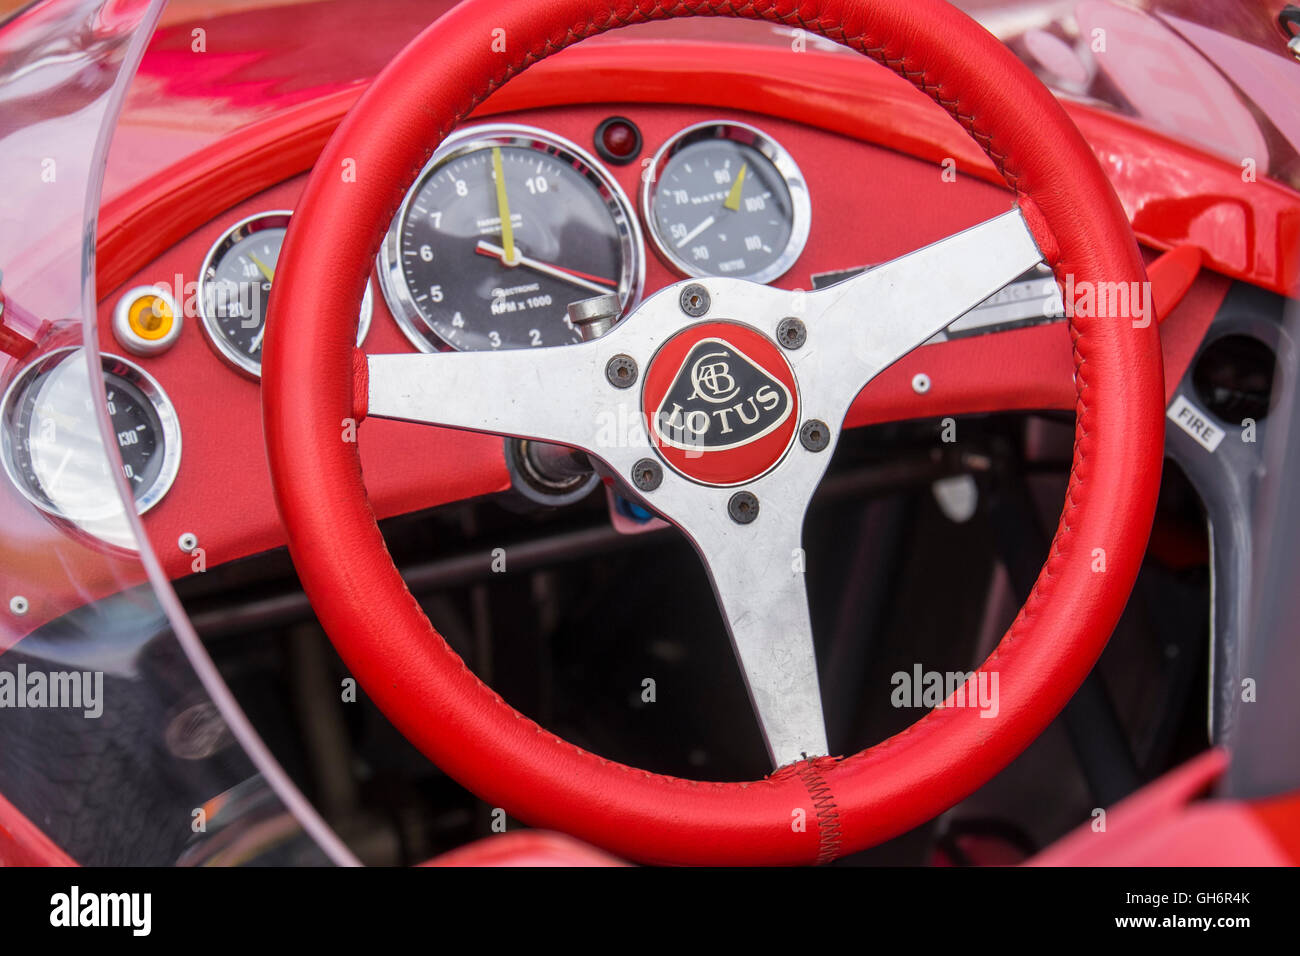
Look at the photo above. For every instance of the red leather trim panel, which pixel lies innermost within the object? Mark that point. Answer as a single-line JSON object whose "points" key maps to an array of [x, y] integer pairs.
{"points": [[1280, 816], [427, 690], [1167, 823], [1172, 276], [531, 848]]}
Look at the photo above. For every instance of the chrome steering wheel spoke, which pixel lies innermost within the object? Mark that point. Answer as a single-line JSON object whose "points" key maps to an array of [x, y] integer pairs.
{"points": [[750, 541], [546, 394], [875, 318]]}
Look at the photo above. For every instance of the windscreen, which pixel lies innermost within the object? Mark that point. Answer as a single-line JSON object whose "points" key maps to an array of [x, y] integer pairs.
{"points": [[118, 740]]}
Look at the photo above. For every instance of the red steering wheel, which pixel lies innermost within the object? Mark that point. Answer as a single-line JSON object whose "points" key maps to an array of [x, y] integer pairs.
{"points": [[740, 498]]}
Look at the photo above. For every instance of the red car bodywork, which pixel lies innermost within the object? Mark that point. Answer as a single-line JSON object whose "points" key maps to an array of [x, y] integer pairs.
{"points": [[205, 140]]}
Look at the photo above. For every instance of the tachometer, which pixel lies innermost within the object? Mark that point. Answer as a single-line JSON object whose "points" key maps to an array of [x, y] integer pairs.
{"points": [[234, 285], [51, 442], [726, 200], [504, 228]]}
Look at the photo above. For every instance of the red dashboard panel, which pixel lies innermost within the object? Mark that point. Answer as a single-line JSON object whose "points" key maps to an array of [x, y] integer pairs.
{"points": [[869, 204], [223, 495], [888, 205]]}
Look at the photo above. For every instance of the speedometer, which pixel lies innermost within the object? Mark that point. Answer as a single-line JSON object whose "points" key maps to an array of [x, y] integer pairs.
{"points": [[504, 228], [724, 199], [52, 448]]}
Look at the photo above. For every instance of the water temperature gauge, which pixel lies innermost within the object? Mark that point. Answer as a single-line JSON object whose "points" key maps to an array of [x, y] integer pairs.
{"points": [[726, 200]]}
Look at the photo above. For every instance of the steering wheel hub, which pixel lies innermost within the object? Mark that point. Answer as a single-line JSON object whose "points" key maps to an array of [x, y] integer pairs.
{"points": [[721, 402]]}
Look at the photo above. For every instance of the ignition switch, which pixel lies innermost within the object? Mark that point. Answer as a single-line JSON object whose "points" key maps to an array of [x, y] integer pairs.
{"points": [[550, 475]]}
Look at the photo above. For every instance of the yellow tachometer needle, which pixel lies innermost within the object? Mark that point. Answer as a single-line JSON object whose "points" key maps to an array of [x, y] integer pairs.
{"points": [[261, 267], [733, 197], [511, 257]]}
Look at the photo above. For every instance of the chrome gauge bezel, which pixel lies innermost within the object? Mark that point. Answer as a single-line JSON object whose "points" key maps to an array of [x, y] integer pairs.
{"points": [[162, 405], [392, 282], [248, 226], [127, 337], [775, 153]]}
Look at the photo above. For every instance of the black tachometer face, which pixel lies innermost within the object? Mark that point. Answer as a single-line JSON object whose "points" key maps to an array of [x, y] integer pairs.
{"points": [[503, 230]]}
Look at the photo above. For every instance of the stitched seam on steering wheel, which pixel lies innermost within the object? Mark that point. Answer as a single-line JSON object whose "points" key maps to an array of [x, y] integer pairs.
{"points": [[642, 12], [828, 814]]}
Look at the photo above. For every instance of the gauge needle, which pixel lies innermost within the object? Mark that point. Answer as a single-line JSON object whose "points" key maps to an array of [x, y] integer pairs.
{"points": [[53, 484], [270, 277], [262, 268], [696, 231], [511, 254], [733, 197], [573, 276]]}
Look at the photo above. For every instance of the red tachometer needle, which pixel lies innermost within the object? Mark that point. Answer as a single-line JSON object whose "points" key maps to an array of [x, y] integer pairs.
{"points": [[583, 279]]}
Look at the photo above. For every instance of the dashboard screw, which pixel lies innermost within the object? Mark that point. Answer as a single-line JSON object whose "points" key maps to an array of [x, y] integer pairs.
{"points": [[791, 333], [647, 475], [814, 435], [695, 300], [743, 507], [18, 605], [920, 383], [188, 542], [621, 371]]}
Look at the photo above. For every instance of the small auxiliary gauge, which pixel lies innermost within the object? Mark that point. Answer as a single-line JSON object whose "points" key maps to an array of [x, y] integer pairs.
{"points": [[726, 200], [234, 285], [52, 448]]}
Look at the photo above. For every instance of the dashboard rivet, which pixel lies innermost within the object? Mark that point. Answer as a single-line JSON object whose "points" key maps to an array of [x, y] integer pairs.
{"points": [[743, 507], [920, 383], [814, 435], [188, 542], [647, 475], [791, 333], [695, 300], [621, 371], [18, 605]]}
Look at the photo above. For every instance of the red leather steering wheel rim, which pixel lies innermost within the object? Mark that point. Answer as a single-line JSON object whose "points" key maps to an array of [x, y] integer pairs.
{"points": [[460, 723]]}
